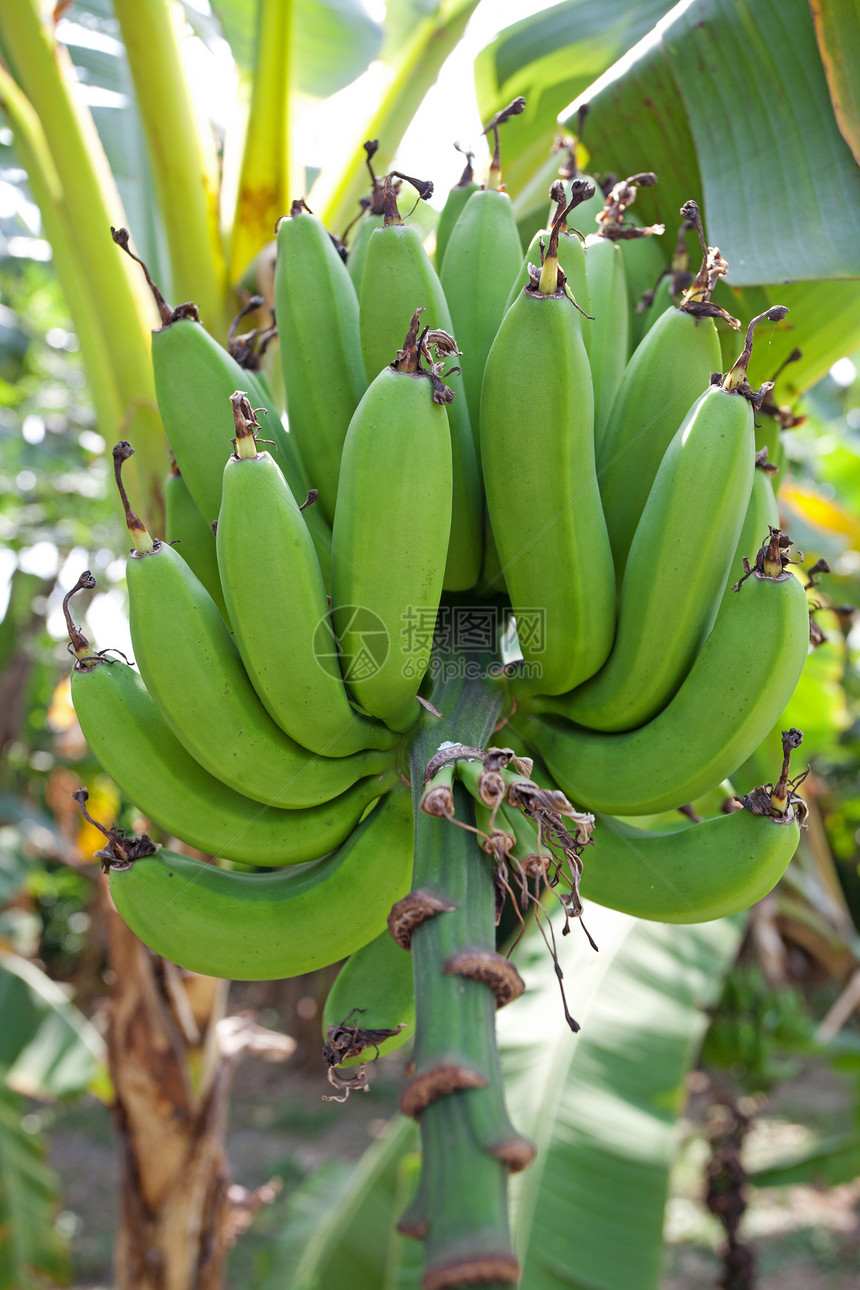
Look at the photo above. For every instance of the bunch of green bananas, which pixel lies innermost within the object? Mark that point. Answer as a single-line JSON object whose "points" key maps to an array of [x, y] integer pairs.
{"points": [[599, 493]]}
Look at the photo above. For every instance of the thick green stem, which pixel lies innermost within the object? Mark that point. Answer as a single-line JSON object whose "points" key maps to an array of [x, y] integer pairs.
{"points": [[456, 1089], [182, 156], [43, 70]]}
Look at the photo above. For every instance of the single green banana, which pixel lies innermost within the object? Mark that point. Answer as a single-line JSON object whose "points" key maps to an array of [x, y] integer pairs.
{"points": [[709, 870], [662, 381], [610, 326], [136, 747], [185, 526], [571, 258], [267, 558], [542, 496], [194, 379], [264, 927], [678, 564], [391, 534], [482, 260], [735, 691], [453, 208], [399, 279], [193, 671], [373, 991], [317, 314]]}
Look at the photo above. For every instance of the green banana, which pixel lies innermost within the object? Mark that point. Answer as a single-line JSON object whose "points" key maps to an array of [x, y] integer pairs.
{"points": [[607, 277], [317, 313], [398, 279], [679, 557], [692, 875], [733, 694], [453, 208], [136, 747], [193, 671], [663, 379], [481, 262], [542, 494], [268, 564], [194, 379], [264, 927], [610, 325], [374, 989], [184, 525], [571, 258], [391, 534]]}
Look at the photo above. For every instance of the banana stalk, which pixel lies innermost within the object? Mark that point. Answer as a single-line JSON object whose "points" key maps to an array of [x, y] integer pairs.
{"points": [[468, 1145]]}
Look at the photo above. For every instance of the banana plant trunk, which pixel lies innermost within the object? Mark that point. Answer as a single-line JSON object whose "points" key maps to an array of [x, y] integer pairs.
{"points": [[171, 1095]]}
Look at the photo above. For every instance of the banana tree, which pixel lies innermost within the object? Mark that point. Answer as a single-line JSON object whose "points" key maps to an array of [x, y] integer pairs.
{"points": [[665, 107]]}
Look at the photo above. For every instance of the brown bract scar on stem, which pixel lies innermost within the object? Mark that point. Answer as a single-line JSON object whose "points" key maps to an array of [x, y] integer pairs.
{"points": [[121, 850], [415, 352], [472, 1270], [406, 915], [517, 1153], [439, 1082], [762, 463], [450, 752], [490, 969]]}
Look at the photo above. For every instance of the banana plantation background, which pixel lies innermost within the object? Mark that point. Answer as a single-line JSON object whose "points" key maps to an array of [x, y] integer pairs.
{"points": [[707, 1053]]}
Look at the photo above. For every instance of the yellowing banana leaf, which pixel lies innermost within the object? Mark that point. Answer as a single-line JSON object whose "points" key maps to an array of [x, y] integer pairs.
{"points": [[838, 34]]}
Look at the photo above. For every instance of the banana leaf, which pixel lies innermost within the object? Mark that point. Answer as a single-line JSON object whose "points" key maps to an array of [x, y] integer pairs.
{"points": [[48, 1049], [31, 1247]]}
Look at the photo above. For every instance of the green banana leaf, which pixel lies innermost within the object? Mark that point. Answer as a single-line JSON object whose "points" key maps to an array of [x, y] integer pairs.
{"points": [[728, 103], [48, 1049], [742, 84], [602, 1106], [335, 40], [31, 1247], [339, 1221], [549, 58]]}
